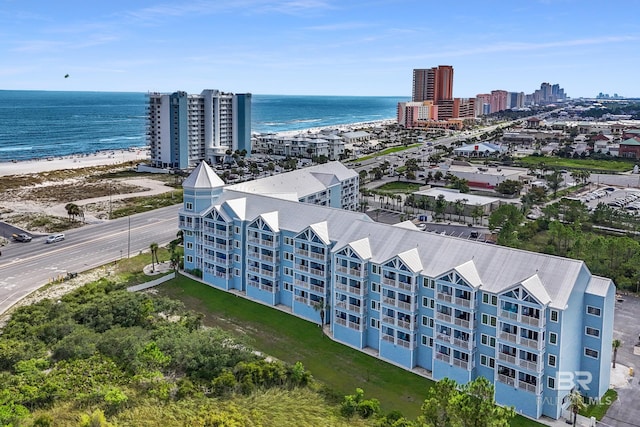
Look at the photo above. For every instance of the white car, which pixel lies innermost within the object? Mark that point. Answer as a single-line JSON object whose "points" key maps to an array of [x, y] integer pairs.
{"points": [[55, 238]]}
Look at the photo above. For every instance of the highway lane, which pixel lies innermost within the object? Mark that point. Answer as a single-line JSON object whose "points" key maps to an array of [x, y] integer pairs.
{"points": [[24, 267]]}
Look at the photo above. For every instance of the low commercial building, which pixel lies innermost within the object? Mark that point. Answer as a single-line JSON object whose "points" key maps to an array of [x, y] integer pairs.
{"points": [[429, 303]]}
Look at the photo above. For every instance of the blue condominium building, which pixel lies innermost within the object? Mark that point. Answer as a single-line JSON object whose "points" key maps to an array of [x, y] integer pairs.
{"points": [[537, 326]]}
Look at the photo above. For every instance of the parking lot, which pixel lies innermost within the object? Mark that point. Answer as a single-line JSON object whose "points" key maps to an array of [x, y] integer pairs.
{"points": [[624, 199]]}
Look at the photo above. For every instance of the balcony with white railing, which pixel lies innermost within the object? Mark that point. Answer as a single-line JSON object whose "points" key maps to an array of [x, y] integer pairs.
{"points": [[268, 288], [443, 317], [531, 343], [464, 364], [389, 282], [266, 258], [303, 252], [388, 338], [223, 261], [222, 233], [355, 326], [253, 269], [443, 357], [462, 322], [411, 287], [529, 365], [303, 268], [462, 302], [403, 343], [506, 314], [406, 305], [443, 337], [317, 272], [389, 301], [355, 308], [299, 298], [301, 284], [444, 297], [466, 344], [341, 321], [531, 388], [506, 336], [253, 284], [221, 246], [342, 287], [222, 275], [389, 320], [317, 289], [533, 321], [507, 358], [404, 324], [506, 380], [316, 255]]}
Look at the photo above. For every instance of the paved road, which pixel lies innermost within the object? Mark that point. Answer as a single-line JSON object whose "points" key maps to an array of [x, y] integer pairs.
{"points": [[24, 267], [625, 412]]}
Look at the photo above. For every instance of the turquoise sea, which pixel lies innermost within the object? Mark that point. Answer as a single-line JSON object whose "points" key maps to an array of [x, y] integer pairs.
{"points": [[39, 124]]}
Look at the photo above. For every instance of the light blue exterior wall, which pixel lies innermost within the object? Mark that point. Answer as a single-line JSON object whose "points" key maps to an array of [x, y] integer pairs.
{"points": [[179, 130], [399, 314]]}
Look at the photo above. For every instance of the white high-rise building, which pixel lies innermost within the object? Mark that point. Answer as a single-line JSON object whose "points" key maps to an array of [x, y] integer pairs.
{"points": [[183, 129]]}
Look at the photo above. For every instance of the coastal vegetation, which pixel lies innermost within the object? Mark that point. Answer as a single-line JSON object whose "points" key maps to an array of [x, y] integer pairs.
{"points": [[103, 356]]}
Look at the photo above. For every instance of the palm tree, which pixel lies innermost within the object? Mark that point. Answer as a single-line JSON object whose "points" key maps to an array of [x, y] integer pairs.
{"points": [[153, 247], [576, 404], [615, 345], [320, 307]]}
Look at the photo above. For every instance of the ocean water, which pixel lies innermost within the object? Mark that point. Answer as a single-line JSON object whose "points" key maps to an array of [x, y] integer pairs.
{"points": [[40, 124]]}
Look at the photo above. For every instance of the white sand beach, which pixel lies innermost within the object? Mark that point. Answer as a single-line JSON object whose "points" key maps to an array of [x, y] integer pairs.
{"points": [[341, 128], [100, 158]]}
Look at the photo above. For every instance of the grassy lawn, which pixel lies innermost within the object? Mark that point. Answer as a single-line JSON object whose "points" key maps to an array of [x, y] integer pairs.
{"points": [[388, 151], [399, 187], [599, 410], [292, 339], [589, 164]]}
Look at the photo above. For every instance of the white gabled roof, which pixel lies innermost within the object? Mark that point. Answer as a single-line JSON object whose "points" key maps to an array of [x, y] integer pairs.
{"points": [[362, 248], [599, 286], [412, 259], [406, 224], [534, 286], [239, 207], [322, 231], [469, 272], [203, 177], [271, 218]]}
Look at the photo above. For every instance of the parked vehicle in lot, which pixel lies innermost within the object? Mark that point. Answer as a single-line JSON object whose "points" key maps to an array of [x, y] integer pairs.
{"points": [[21, 237], [55, 238]]}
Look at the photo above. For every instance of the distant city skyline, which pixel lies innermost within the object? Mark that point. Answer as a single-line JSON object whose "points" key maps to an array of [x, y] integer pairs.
{"points": [[318, 47]]}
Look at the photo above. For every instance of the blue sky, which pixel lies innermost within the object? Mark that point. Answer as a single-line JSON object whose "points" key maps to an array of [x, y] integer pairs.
{"points": [[319, 47]]}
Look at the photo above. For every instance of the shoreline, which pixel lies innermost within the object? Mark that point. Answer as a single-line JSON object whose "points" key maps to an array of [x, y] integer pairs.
{"points": [[74, 161], [141, 154], [347, 127]]}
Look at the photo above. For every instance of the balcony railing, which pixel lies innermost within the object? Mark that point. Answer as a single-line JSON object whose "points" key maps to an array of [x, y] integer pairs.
{"points": [[388, 338], [462, 322], [389, 282], [266, 287], [444, 297], [528, 342], [443, 337], [221, 246], [404, 324], [351, 271], [354, 325], [304, 268], [508, 336], [403, 343], [389, 301], [302, 299], [462, 302], [253, 284], [505, 314], [316, 272], [531, 388], [406, 305], [355, 308], [317, 289], [533, 321], [506, 379], [341, 321], [462, 343], [460, 363], [443, 317], [529, 365], [443, 357], [302, 252], [301, 284], [507, 358], [316, 255], [407, 286]]}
